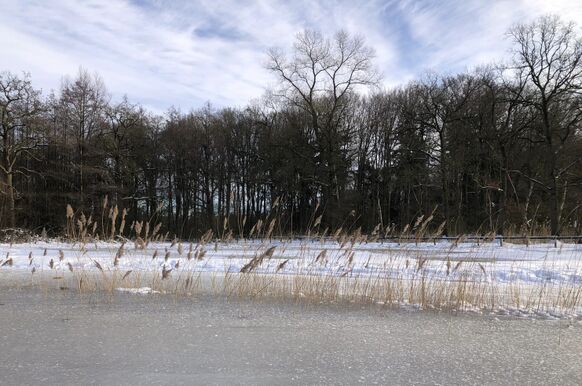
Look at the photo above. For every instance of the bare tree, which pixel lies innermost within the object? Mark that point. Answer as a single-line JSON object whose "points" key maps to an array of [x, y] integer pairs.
{"points": [[19, 103], [319, 78], [548, 54], [124, 119], [441, 105], [83, 102]]}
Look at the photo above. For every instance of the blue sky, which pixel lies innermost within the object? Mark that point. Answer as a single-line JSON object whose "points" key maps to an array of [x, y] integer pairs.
{"points": [[185, 53]]}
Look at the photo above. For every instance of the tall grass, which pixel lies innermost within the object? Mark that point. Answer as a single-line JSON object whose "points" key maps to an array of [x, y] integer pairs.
{"points": [[112, 226], [326, 266], [306, 271]]}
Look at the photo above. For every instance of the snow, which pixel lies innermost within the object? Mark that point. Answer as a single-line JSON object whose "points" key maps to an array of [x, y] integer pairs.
{"points": [[539, 266], [536, 263], [140, 290]]}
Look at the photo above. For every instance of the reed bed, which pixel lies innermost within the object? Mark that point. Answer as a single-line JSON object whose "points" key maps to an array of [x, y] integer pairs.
{"points": [[413, 267], [316, 271]]}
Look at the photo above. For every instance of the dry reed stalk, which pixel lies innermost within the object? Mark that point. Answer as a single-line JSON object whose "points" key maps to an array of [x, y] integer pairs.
{"points": [[258, 260], [137, 226], [118, 255], [126, 274], [282, 265], [156, 229], [321, 256], [70, 221], [189, 257], [122, 225], [200, 254], [147, 233], [98, 266], [165, 272], [140, 243]]}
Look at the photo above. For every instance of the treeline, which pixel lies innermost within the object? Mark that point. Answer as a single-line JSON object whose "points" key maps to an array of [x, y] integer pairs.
{"points": [[497, 149]]}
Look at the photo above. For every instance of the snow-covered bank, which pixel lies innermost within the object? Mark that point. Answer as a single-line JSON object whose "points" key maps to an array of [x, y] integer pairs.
{"points": [[510, 263], [534, 277]]}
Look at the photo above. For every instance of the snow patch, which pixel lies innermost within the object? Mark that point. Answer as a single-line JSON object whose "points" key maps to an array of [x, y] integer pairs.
{"points": [[141, 290]]}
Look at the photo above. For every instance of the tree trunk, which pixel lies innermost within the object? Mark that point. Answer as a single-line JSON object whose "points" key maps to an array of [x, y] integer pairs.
{"points": [[11, 204], [555, 209]]}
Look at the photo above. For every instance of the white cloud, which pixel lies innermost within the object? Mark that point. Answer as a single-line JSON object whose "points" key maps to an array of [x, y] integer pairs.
{"points": [[456, 35], [185, 53]]}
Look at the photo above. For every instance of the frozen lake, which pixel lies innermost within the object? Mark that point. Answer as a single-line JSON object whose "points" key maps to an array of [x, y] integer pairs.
{"points": [[59, 337]]}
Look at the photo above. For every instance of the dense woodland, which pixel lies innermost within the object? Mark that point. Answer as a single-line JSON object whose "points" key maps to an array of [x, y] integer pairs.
{"points": [[495, 149]]}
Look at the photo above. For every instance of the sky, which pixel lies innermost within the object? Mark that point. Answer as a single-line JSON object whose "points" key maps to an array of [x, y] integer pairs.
{"points": [[185, 53]]}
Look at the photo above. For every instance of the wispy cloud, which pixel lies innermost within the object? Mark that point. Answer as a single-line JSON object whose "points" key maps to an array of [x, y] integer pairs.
{"points": [[455, 35], [184, 53]]}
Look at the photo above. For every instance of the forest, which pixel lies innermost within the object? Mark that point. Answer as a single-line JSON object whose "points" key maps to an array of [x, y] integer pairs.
{"points": [[496, 148]]}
